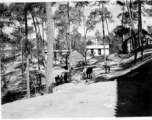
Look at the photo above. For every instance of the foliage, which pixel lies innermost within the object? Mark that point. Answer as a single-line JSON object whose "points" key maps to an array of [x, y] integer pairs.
{"points": [[18, 39], [17, 13], [148, 10], [62, 24], [149, 29], [81, 47], [115, 42], [134, 8], [126, 19], [98, 14], [121, 30], [61, 16], [4, 16], [98, 35], [89, 42], [4, 41], [81, 3], [90, 23]]}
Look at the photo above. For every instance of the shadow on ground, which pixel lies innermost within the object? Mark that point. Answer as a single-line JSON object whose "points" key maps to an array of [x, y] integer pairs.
{"points": [[131, 63], [13, 96], [134, 93]]}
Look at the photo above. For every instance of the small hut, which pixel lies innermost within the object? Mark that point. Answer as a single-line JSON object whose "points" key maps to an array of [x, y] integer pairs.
{"points": [[128, 43], [76, 57]]}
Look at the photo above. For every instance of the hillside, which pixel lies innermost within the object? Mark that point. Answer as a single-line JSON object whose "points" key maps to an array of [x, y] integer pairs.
{"points": [[78, 99], [68, 100]]}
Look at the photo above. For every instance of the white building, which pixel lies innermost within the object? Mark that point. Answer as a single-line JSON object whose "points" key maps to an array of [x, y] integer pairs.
{"points": [[97, 50]]}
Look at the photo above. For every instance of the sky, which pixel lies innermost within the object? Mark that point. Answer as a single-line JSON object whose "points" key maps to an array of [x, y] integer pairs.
{"points": [[115, 10]]}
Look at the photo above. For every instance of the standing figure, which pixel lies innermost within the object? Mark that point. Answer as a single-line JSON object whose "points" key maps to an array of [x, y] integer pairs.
{"points": [[89, 72], [107, 66], [57, 80]]}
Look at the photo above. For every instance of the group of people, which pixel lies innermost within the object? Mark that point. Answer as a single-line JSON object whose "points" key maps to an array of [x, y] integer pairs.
{"points": [[63, 78], [87, 72]]}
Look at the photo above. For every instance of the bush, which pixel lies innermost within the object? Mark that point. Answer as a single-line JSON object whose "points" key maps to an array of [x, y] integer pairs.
{"points": [[12, 96]]}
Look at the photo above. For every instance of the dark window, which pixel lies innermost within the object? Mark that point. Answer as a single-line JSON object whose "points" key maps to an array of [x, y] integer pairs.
{"points": [[54, 54], [92, 51], [99, 51]]}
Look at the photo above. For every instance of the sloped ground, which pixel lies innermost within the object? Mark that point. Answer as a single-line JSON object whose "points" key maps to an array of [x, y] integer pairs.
{"points": [[68, 100], [97, 98], [13, 71], [126, 65], [120, 65], [16, 83]]}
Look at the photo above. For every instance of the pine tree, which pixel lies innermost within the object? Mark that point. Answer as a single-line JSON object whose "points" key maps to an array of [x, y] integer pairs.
{"points": [[50, 39]]}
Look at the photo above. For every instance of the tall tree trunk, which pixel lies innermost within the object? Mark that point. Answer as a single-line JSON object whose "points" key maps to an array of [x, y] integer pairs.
{"points": [[130, 46], [1, 52], [22, 51], [122, 33], [43, 44], [39, 33], [133, 33], [27, 59], [67, 46], [108, 32], [70, 56], [134, 36], [2, 45], [40, 44], [0, 63], [37, 40], [37, 30], [140, 27], [103, 31], [85, 37], [85, 54], [50, 39], [41, 57], [55, 52]]}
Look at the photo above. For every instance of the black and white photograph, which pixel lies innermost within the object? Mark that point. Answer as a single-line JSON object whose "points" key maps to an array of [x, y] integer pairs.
{"points": [[76, 59]]}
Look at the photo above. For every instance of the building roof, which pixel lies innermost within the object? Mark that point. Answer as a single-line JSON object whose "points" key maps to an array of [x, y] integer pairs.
{"points": [[76, 57], [143, 31], [96, 46], [58, 50]]}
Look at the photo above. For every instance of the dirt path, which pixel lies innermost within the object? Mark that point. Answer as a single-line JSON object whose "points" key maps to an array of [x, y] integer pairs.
{"points": [[68, 100]]}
